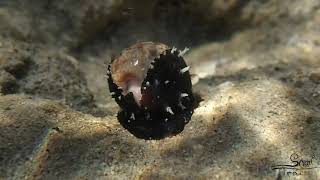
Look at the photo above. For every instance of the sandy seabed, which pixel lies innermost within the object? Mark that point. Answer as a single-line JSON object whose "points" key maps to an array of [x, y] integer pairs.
{"points": [[255, 68]]}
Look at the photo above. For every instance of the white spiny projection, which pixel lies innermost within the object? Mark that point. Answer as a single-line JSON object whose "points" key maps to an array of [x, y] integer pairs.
{"points": [[183, 95], [132, 116], [181, 53], [136, 62], [183, 70], [169, 110], [173, 50]]}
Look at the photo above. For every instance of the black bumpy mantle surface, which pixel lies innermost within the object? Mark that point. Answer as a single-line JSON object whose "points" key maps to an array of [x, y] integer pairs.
{"points": [[168, 101]]}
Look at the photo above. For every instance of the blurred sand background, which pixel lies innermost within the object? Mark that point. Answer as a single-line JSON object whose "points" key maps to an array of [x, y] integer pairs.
{"points": [[255, 66]]}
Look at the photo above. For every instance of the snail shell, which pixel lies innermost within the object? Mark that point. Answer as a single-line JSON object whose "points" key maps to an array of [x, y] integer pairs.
{"points": [[151, 84]]}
